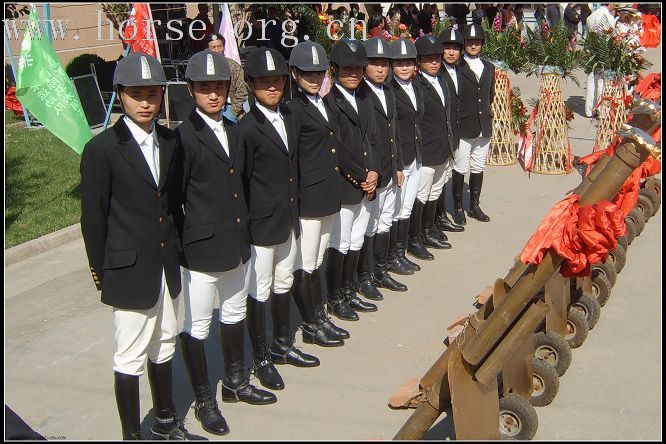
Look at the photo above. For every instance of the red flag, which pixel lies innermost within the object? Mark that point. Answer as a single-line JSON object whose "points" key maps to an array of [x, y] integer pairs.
{"points": [[140, 31]]}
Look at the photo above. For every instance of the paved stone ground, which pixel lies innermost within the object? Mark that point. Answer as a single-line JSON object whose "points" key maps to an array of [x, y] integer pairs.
{"points": [[59, 337]]}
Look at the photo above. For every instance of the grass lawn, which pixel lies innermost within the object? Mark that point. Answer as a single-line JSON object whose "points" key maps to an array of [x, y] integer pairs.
{"points": [[42, 185], [10, 117]]}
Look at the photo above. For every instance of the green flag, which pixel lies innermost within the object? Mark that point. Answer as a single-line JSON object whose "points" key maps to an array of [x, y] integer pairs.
{"points": [[42, 86]]}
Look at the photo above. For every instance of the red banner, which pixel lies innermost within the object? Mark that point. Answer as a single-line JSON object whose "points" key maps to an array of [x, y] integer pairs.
{"points": [[140, 31]]}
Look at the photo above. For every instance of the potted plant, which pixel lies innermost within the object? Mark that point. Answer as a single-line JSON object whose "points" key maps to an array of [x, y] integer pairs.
{"points": [[507, 51], [551, 52]]}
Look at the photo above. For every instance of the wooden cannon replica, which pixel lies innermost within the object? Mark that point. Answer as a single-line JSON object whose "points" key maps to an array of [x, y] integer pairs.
{"points": [[486, 373]]}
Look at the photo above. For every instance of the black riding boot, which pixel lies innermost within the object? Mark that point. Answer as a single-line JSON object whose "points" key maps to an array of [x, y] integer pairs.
{"points": [[442, 220], [320, 308], [458, 181], [236, 384], [414, 246], [429, 231], [283, 350], [475, 182], [205, 408], [337, 304], [366, 286], [166, 424], [263, 365], [395, 262], [313, 330], [401, 243], [349, 283], [127, 398], [381, 277]]}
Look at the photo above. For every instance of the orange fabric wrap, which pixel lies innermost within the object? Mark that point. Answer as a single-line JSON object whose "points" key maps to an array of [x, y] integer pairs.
{"points": [[582, 236]]}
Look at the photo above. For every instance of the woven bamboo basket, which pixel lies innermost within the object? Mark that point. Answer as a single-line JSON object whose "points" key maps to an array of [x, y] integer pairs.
{"points": [[503, 146], [551, 143], [612, 111]]}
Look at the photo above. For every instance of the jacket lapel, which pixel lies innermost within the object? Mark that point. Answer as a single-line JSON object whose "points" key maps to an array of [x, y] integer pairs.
{"points": [[345, 106], [267, 128], [312, 110], [467, 72], [131, 151], [401, 95], [376, 103], [207, 136], [167, 143], [292, 130], [232, 138], [430, 90], [484, 74]]}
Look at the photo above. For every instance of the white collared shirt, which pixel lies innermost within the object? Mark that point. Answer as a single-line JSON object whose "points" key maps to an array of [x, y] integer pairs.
{"points": [[275, 117], [351, 97], [149, 146], [434, 81], [407, 86], [379, 92], [452, 73], [218, 129], [476, 64], [317, 102]]}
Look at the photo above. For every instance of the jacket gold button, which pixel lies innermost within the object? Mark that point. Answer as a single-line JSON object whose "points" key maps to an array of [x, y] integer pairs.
{"points": [[365, 153], [391, 140], [231, 171], [159, 194], [291, 199], [367, 170], [235, 195], [161, 219], [162, 244], [238, 220], [337, 169], [333, 150], [479, 100], [331, 133], [291, 180], [480, 112]]}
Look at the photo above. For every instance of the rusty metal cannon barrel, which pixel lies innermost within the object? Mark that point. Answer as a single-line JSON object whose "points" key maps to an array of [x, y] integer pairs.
{"points": [[628, 157], [493, 365], [476, 344]]}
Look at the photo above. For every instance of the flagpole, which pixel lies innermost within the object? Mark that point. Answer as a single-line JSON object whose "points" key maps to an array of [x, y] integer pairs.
{"points": [[154, 33], [113, 96], [47, 17], [11, 60]]}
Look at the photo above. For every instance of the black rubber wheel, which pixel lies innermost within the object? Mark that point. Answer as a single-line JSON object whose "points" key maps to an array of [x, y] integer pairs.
{"points": [[554, 350], [590, 307], [601, 289], [545, 383], [655, 199], [517, 418], [631, 230], [644, 206], [607, 269], [638, 219], [577, 328], [622, 240], [619, 258]]}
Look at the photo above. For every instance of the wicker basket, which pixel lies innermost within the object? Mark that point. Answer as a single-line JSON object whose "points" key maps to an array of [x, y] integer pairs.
{"points": [[503, 145], [612, 111], [551, 143]]}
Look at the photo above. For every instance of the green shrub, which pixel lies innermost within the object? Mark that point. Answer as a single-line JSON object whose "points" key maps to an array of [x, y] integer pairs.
{"points": [[80, 65]]}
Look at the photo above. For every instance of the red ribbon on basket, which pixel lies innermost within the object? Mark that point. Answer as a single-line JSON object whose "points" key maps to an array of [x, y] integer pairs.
{"points": [[613, 104], [582, 236]]}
